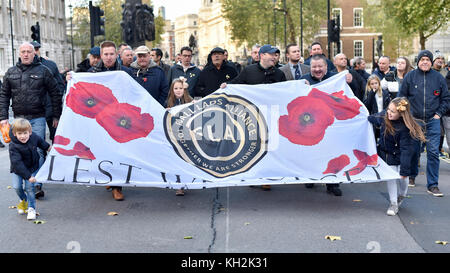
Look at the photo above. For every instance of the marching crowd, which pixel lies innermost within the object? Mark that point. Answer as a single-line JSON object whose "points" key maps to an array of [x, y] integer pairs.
{"points": [[409, 108]]}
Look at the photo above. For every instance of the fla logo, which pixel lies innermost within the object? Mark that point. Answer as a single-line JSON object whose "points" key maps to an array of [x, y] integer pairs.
{"points": [[221, 134]]}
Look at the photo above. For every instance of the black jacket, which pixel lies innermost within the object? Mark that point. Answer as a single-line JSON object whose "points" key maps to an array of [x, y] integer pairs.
{"points": [[397, 149], [51, 65], [211, 78], [447, 78], [24, 157], [84, 66], [371, 102], [27, 86], [256, 74], [100, 67], [357, 84], [312, 80]]}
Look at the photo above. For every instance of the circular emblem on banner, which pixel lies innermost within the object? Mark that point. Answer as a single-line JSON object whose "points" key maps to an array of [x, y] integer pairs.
{"points": [[222, 134]]}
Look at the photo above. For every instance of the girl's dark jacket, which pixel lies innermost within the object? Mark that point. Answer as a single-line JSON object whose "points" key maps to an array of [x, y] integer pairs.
{"points": [[24, 157], [397, 149], [371, 103]]}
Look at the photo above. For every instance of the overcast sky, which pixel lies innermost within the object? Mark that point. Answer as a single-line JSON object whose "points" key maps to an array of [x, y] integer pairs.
{"points": [[175, 8]]}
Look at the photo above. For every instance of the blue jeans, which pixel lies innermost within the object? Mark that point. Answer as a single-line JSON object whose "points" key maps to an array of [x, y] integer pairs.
{"points": [[432, 131], [38, 126], [27, 195]]}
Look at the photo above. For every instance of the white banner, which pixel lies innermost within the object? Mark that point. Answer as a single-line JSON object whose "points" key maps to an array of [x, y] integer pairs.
{"points": [[113, 133]]}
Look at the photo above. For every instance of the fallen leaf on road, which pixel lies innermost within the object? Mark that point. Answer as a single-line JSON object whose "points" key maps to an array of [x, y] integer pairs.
{"points": [[112, 213], [441, 242], [37, 222], [12, 207], [9, 187], [333, 238], [187, 237], [409, 196], [246, 223], [357, 200]]}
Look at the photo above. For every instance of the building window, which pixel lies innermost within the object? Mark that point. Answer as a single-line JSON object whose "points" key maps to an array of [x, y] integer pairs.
{"points": [[358, 17], [335, 13], [358, 48]]}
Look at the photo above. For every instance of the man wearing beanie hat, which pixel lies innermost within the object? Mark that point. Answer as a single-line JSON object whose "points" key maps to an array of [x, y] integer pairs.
{"points": [[439, 63], [427, 92]]}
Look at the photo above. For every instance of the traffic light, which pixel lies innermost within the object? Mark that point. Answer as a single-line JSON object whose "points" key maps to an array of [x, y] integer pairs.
{"points": [[36, 33], [334, 30], [97, 20]]}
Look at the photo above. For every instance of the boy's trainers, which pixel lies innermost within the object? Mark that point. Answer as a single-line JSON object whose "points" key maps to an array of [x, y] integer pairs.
{"points": [[31, 214], [435, 191], [22, 207], [392, 210]]}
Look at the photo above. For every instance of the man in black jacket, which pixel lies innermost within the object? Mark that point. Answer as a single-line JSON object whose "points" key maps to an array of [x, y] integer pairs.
{"points": [[262, 72], [92, 59], [357, 83], [27, 85], [214, 73], [51, 65], [109, 62]]}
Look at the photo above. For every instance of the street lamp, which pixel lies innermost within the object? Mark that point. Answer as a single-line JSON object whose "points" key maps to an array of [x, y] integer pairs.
{"points": [[71, 35], [301, 28], [274, 24], [12, 33], [284, 10]]}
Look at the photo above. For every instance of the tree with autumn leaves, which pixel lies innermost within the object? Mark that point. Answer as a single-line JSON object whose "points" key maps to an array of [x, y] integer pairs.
{"points": [[402, 20], [253, 21]]}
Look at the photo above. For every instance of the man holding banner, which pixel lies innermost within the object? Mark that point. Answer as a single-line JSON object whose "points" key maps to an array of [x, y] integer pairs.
{"points": [[262, 72], [319, 72]]}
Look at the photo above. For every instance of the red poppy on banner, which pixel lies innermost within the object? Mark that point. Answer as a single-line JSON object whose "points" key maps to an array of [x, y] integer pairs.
{"points": [[79, 149], [61, 140], [342, 106], [124, 122], [306, 122], [364, 161], [336, 165], [89, 99]]}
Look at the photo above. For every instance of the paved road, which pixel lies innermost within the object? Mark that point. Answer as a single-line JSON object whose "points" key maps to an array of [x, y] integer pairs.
{"points": [[289, 218]]}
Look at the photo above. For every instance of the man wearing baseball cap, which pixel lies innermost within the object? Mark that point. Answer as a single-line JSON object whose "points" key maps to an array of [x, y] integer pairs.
{"points": [[92, 60], [262, 72], [427, 92], [151, 76]]}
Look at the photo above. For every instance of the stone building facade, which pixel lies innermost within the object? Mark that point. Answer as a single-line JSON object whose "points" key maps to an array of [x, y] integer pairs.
{"points": [[51, 17]]}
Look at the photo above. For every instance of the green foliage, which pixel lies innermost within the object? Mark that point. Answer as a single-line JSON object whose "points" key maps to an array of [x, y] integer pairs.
{"points": [[413, 17], [253, 21], [159, 29]]}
